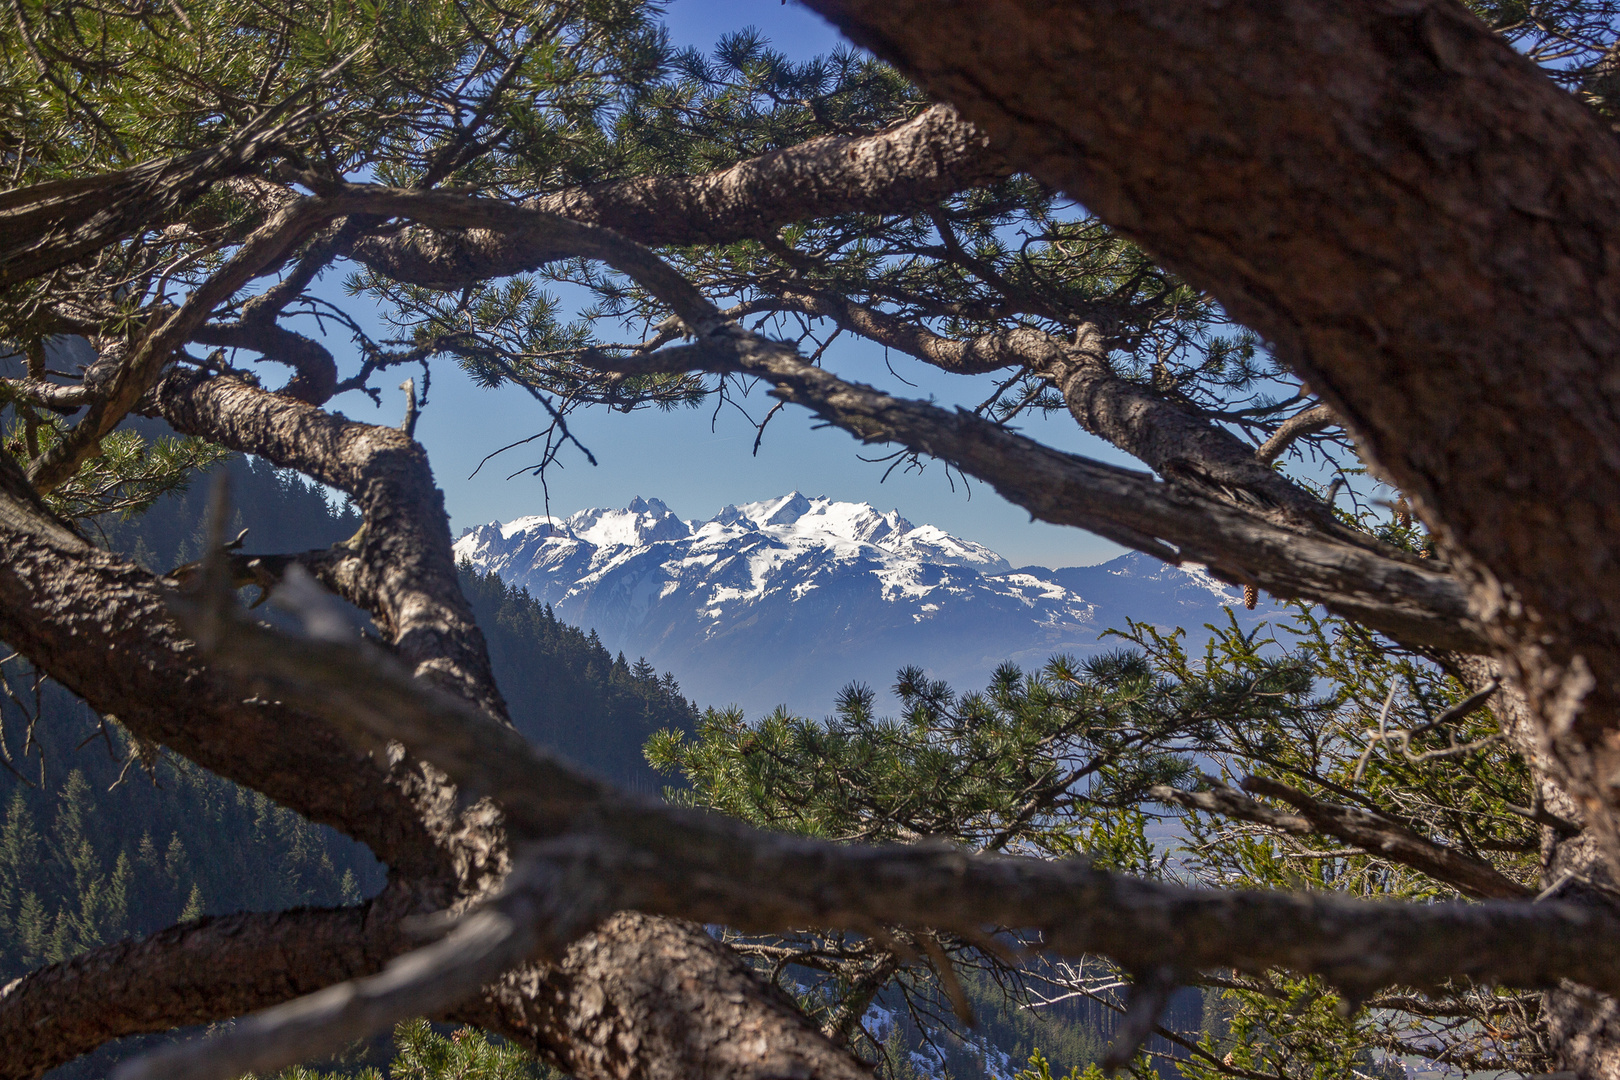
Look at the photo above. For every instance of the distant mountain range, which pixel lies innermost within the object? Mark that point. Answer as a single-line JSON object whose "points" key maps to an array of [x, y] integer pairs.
{"points": [[788, 600]]}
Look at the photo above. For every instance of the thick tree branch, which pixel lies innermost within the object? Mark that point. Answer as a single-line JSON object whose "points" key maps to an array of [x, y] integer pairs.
{"points": [[481, 947], [48, 395], [1173, 439], [1417, 217], [660, 999], [1377, 835], [1397, 595], [47, 226], [315, 374], [634, 996], [1296, 427], [100, 627], [197, 973], [901, 170], [405, 573]]}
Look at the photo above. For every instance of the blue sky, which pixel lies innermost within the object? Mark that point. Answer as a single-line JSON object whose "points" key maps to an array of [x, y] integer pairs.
{"points": [[696, 470]]}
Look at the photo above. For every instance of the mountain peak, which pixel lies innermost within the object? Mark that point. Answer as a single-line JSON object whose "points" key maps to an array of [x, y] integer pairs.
{"points": [[644, 521], [786, 510]]}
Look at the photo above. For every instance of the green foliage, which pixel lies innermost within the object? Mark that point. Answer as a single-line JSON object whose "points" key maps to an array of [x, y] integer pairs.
{"points": [[423, 1052], [1019, 767], [1338, 732], [467, 1054], [1040, 1069], [1327, 682], [127, 477], [1063, 761]]}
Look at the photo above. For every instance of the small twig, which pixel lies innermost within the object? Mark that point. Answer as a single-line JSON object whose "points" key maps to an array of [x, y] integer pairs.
{"points": [[408, 425]]}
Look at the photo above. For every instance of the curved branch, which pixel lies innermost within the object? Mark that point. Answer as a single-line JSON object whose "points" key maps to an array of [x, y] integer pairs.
{"points": [[265, 247], [197, 973], [405, 574], [900, 170], [1173, 439], [660, 999], [1415, 603], [426, 982], [99, 626], [315, 377], [1296, 427], [63, 397], [50, 225]]}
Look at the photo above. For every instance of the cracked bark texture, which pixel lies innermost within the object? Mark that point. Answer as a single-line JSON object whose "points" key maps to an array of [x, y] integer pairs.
{"points": [[404, 571], [1414, 215], [195, 973], [638, 999]]}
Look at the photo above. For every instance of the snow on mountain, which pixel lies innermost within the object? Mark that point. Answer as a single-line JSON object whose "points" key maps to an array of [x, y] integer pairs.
{"points": [[786, 601]]}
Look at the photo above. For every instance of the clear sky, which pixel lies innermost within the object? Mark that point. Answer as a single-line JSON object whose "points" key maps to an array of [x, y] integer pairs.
{"points": [[678, 458]]}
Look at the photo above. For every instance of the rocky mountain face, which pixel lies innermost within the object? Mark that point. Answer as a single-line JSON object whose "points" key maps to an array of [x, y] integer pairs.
{"points": [[787, 601]]}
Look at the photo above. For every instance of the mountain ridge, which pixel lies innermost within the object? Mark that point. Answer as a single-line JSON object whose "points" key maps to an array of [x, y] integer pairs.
{"points": [[787, 600]]}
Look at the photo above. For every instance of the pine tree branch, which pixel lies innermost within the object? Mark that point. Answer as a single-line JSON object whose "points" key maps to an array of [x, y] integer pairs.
{"points": [[404, 571], [661, 996], [1376, 835], [903, 169], [199, 972], [1376, 162], [593, 850], [426, 982]]}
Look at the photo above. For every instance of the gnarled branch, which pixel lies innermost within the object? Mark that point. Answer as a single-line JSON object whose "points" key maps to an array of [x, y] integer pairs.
{"points": [[199, 972], [900, 170], [596, 849]]}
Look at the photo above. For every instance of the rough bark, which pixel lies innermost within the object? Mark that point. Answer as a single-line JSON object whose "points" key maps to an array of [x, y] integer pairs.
{"points": [[197, 973], [404, 572], [47, 226], [900, 170], [1419, 220], [593, 849], [1172, 438], [101, 627], [659, 1000]]}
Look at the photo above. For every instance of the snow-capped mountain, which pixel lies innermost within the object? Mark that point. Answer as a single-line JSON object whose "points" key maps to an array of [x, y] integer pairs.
{"points": [[788, 600]]}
